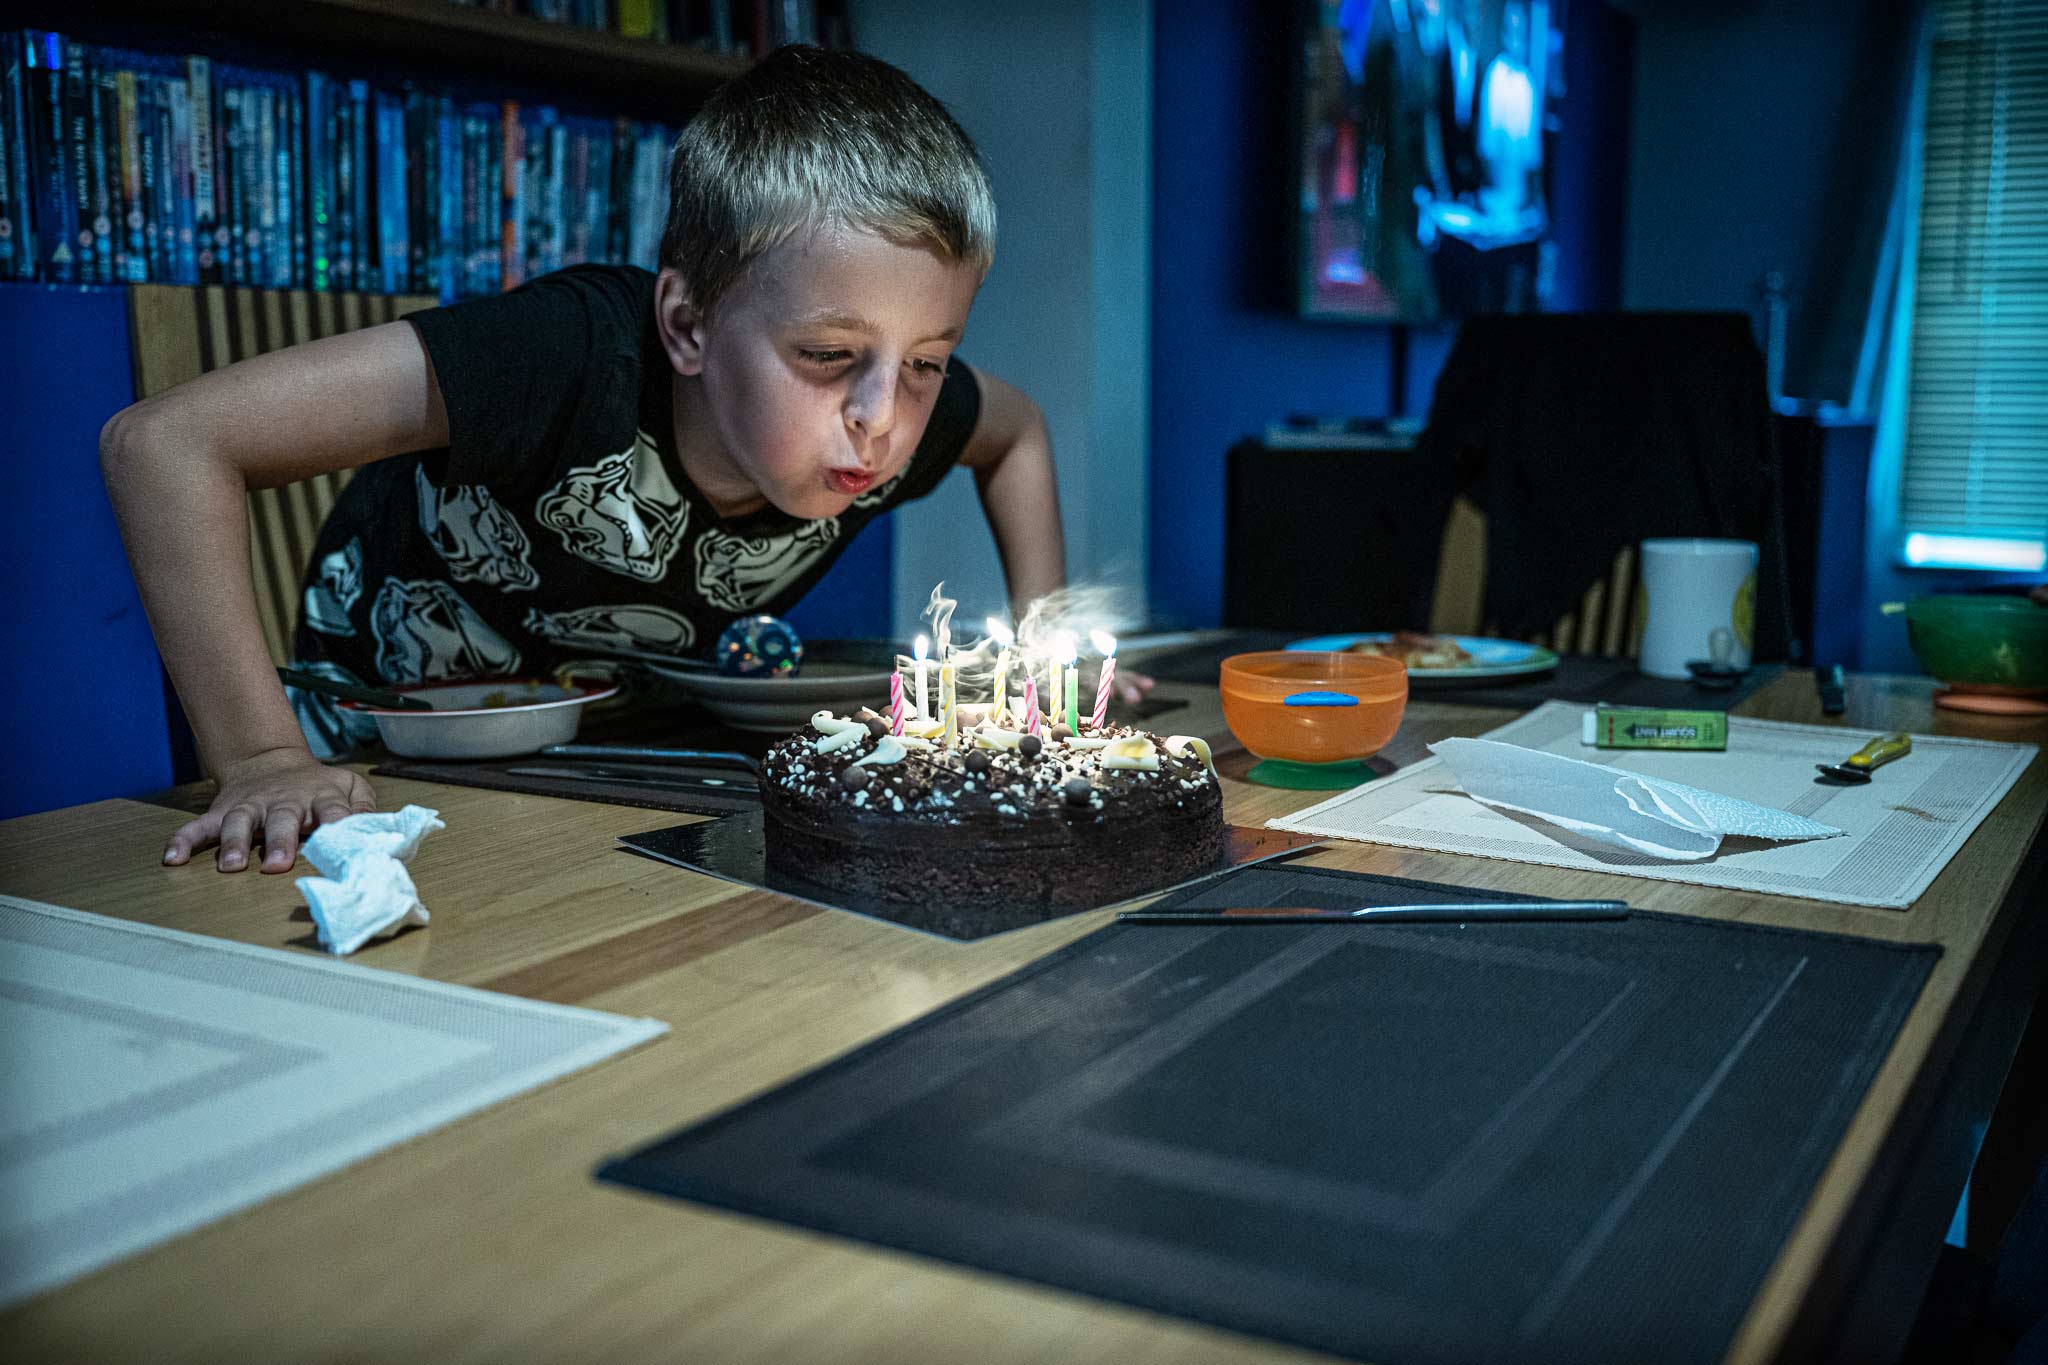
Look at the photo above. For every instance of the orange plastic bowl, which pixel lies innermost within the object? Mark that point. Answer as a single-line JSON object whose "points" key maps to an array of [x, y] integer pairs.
{"points": [[1306, 707]]}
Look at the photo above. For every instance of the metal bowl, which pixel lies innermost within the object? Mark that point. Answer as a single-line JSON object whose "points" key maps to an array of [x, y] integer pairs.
{"points": [[484, 718]]}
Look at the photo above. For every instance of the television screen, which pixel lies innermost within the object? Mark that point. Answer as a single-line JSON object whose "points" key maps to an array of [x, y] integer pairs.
{"points": [[1427, 131]]}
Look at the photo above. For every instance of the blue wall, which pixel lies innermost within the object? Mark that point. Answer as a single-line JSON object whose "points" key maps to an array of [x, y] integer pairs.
{"points": [[1228, 353], [83, 689]]}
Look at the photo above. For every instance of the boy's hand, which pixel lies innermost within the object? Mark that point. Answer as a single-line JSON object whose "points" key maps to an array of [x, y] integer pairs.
{"points": [[1132, 687], [273, 798]]}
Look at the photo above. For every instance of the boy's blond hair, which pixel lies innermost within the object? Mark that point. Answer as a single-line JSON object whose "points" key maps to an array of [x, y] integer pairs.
{"points": [[806, 138]]}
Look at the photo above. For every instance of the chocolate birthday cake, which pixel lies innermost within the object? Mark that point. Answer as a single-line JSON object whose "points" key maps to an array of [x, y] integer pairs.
{"points": [[1059, 820]]}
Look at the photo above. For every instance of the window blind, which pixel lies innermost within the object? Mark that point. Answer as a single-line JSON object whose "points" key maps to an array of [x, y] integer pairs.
{"points": [[1975, 464]]}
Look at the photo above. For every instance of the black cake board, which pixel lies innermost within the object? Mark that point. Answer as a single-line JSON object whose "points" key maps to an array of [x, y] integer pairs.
{"points": [[732, 848], [1581, 1141]]}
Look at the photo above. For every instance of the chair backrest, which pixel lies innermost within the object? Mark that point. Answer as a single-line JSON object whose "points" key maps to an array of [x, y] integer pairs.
{"points": [[179, 332], [1609, 620]]}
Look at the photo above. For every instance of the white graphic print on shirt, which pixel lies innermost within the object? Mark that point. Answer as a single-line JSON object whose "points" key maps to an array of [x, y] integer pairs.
{"points": [[622, 513], [336, 590], [475, 535], [425, 630], [633, 628], [736, 573]]}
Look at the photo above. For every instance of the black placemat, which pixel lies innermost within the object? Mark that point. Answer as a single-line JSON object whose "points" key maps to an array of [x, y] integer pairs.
{"points": [[733, 848], [1559, 1141], [1589, 678]]}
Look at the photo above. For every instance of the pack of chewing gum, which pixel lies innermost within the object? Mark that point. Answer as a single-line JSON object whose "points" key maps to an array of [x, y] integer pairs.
{"points": [[1650, 727]]}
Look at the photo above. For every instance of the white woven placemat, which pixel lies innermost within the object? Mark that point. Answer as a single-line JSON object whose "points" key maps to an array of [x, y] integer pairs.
{"points": [[152, 1081], [1903, 826]]}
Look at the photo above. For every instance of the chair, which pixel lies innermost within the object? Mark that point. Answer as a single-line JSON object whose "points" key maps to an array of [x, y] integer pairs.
{"points": [[1569, 438], [179, 332], [1607, 622]]}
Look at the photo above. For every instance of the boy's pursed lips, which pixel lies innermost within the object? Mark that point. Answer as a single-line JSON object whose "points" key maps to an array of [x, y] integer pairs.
{"points": [[854, 481]]}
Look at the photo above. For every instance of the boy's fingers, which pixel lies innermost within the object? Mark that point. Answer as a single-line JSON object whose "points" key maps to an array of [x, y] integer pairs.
{"points": [[235, 827], [328, 809], [190, 837], [281, 837]]}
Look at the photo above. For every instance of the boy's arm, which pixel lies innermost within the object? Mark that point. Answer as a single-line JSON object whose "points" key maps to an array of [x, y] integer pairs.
{"points": [[1010, 453], [178, 467]]}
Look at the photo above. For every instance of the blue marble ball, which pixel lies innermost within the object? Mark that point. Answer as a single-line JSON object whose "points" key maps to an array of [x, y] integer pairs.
{"points": [[759, 647]]}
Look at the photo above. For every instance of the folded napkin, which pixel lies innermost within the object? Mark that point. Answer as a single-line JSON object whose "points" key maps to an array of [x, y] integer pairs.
{"points": [[1641, 814], [364, 891]]}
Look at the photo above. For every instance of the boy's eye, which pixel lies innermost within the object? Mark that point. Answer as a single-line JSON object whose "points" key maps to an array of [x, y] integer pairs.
{"points": [[824, 357], [934, 368]]}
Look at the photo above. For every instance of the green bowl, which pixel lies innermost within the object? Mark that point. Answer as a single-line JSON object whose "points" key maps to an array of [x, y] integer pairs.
{"points": [[1984, 642]]}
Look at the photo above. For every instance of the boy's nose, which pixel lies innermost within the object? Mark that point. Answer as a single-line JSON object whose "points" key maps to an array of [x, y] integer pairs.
{"points": [[871, 409]]}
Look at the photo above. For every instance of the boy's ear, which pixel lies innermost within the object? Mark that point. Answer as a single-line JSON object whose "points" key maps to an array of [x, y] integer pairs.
{"points": [[682, 330]]}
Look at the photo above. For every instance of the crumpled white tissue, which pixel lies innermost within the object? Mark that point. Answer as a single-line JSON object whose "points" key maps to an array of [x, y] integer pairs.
{"points": [[1627, 810], [364, 891]]}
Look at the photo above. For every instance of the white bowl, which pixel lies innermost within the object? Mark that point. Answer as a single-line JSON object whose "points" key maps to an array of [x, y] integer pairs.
{"points": [[492, 718]]}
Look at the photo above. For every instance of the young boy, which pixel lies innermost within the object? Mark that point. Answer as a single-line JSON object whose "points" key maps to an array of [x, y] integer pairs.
{"points": [[604, 461]]}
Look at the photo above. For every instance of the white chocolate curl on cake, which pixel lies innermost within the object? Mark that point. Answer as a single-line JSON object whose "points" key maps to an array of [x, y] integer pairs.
{"points": [[1135, 754], [995, 737], [1087, 742], [888, 750], [835, 732], [1179, 745]]}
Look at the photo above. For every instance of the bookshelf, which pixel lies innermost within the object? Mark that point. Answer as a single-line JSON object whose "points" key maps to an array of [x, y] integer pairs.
{"points": [[606, 69]]}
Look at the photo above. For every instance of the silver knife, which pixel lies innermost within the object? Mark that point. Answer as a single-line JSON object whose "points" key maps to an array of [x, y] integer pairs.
{"points": [[1424, 912], [668, 778]]}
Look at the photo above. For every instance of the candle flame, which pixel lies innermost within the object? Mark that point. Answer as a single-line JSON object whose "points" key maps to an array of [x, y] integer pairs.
{"points": [[1104, 642], [1066, 648], [922, 649], [1000, 633]]}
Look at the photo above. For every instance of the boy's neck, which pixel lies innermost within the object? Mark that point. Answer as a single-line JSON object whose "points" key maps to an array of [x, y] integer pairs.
{"points": [[701, 451]]}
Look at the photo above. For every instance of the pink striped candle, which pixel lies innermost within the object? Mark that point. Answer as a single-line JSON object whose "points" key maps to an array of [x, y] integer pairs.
{"points": [[1107, 644], [895, 703], [1030, 705]]}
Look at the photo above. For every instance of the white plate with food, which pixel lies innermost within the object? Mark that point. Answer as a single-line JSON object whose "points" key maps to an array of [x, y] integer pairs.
{"points": [[483, 718], [1442, 659]]}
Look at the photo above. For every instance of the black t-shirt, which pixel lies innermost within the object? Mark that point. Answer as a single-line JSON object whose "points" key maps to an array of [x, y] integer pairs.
{"points": [[558, 523]]}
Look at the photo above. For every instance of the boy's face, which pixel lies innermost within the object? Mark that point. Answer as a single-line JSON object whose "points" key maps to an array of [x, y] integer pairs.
{"points": [[820, 368]]}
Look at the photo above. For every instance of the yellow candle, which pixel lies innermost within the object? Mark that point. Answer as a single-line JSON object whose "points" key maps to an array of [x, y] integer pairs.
{"points": [[949, 707]]}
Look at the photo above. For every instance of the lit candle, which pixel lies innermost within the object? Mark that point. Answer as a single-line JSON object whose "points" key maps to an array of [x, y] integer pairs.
{"points": [[1107, 644], [1073, 688], [949, 705], [1030, 703], [895, 703], [920, 650], [999, 690]]}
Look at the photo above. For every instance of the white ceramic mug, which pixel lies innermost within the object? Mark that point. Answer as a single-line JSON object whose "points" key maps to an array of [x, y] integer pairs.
{"points": [[1696, 587]]}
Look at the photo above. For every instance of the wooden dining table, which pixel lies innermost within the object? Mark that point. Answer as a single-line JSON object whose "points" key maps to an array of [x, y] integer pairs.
{"points": [[489, 1239]]}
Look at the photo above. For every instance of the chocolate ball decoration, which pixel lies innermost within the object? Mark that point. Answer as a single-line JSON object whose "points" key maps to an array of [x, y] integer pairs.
{"points": [[853, 779], [877, 726], [1061, 733], [1031, 746], [1078, 791], [759, 647], [977, 762]]}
